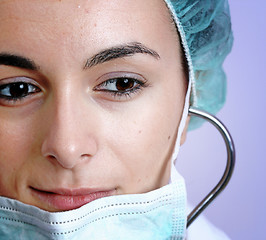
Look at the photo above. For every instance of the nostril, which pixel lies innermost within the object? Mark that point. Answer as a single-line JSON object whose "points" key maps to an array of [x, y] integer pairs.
{"points": [[51, 158], [67, 160], [85, 157]]}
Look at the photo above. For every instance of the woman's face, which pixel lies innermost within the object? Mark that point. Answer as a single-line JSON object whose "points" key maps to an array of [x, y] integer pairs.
{"points": [[91, 95]]}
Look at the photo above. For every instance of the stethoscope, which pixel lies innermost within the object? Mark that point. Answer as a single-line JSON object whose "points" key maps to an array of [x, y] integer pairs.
{"points": [[229, 166]]}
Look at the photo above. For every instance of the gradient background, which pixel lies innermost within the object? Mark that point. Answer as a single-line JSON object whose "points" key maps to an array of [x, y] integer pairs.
{"points": [[241, 209]]}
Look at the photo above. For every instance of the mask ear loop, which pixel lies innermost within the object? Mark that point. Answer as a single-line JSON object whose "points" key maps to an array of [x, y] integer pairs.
{"points": [[229, 166]]}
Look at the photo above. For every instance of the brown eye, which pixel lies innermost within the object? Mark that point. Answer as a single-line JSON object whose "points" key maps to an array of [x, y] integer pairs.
{"points": [[17, 90], [121, 85], [117, 88], [124, 84]]}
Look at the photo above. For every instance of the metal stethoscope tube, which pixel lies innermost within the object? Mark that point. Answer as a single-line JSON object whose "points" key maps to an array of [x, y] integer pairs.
{"points": [[229, 166]]}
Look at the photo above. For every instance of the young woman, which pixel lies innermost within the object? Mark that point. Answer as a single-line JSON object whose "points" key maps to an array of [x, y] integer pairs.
{"points": [[94, 97]]}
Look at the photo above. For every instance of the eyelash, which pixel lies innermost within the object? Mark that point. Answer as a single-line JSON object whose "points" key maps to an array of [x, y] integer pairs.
{"points": [[134, 87], [137, 86], [31, 89]]}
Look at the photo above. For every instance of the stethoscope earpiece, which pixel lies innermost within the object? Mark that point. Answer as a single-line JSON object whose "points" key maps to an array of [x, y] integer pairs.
{"points": [[229, 166]]}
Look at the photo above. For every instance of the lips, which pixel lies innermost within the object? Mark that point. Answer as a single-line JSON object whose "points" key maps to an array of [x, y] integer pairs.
{"points": [[66, 199]]}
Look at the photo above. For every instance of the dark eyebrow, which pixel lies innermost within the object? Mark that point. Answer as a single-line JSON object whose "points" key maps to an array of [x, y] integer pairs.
{"points": [[120, 51], [17, 61]]}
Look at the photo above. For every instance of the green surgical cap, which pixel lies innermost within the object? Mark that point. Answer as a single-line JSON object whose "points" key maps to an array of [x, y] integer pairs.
{"points": [[205, 30]]}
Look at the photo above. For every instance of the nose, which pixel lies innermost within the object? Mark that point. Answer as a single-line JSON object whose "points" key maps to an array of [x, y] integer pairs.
{"points": [[69, 137]]}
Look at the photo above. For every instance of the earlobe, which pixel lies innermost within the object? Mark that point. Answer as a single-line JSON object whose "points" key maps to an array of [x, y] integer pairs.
{"points": [[184, 133]]}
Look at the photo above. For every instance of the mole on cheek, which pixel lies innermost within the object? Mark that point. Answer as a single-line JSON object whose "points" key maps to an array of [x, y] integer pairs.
{"points": [[169, 137], [140, 131]]}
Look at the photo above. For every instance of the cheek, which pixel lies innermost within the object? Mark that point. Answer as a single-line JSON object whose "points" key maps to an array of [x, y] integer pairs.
{"points": [[16, 152], [143, 140]]}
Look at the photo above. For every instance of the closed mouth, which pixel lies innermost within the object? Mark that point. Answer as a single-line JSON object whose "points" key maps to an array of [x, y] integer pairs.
{"points": [[69, 199]]}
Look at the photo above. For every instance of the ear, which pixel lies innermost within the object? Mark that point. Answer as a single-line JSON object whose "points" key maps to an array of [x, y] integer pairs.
{"points": [[184, 133]]}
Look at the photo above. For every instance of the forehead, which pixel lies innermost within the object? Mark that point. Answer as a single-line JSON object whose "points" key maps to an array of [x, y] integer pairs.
{"points": [[77, 26], [72, 15]]}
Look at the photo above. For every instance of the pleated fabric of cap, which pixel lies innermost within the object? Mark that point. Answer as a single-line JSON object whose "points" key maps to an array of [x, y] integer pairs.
{"points": [[206, 34]]}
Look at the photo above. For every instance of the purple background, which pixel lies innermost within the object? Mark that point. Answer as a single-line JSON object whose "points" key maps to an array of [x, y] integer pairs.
{"points": [[241, 209]]}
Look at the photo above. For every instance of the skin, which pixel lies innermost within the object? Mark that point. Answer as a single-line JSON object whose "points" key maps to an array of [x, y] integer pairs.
{"points": [[72, 134]]}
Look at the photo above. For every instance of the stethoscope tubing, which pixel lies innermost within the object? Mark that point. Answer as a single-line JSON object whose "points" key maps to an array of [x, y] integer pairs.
{"points": [[229, 166]]}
